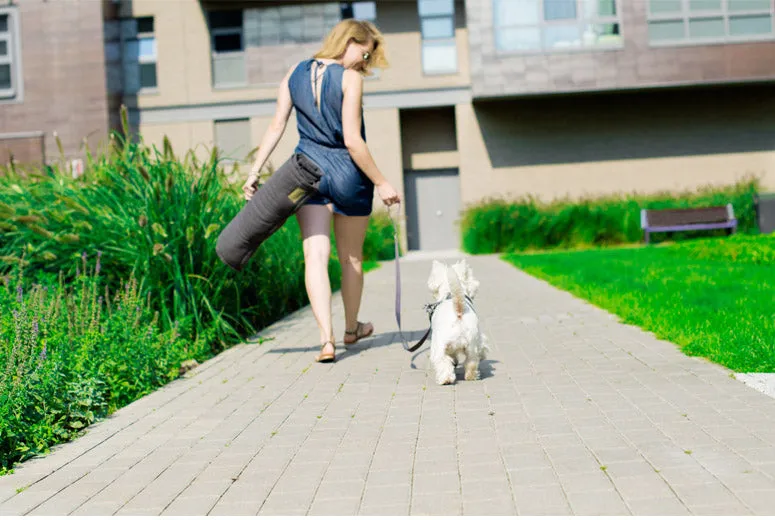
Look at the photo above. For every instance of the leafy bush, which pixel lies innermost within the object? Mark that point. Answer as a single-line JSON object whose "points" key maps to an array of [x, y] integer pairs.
{"points": [[70, 354], [157, 217], [77, 342], [527, 224]]}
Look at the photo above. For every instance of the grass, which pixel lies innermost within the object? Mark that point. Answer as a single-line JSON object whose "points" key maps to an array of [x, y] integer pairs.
{"points": [[712, 297]]}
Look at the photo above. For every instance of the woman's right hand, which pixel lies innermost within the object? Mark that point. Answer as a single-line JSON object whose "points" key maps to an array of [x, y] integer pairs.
{"points": [[388, 195]]}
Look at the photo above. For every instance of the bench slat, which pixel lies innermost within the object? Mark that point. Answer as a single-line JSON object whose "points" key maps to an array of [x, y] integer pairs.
{"points": [[682, 217]]}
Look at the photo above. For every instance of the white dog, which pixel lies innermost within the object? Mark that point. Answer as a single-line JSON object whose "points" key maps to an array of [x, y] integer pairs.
{"points": [[455, 332]]}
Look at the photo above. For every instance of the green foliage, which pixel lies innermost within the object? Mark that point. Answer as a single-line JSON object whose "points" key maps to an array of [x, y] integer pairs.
{"points": [[71, 354], [112, 281], [527, 224], [157, 218]]}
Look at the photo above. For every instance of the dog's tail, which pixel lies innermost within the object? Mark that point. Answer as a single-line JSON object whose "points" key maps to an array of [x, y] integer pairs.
{"points": [[458, 297]]}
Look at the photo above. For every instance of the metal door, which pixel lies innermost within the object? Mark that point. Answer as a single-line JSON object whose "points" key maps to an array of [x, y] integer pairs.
{"points": [[432, 209]]}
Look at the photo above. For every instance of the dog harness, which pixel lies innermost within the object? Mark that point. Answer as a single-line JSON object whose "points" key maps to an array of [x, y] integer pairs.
{"points": [[430, 308]]}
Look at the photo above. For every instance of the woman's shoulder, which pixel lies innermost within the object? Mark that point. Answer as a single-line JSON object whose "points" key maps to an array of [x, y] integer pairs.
{"points": [[296, 66], [351, 77]]}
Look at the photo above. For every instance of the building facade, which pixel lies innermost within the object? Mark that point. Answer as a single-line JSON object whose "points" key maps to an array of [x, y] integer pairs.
{"points": [[484, 98]]}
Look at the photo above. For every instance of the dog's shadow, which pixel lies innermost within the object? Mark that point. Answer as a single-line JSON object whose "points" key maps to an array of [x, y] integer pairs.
{"points": [[486, 370]]}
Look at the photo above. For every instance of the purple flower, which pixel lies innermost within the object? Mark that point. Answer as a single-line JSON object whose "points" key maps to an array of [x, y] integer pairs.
{"points": [[19, 293], [35, 327], [77, 271], [97, 269], [83, 256], [43, 354]]}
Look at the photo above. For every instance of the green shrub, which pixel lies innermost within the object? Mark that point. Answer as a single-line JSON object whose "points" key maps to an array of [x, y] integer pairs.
{"points": [[527, 224], [378, 244], [71, 354], [157, 217]]}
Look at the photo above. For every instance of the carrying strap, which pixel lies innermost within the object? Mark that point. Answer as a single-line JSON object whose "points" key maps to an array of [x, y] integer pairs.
{"points": [[398, 291]]}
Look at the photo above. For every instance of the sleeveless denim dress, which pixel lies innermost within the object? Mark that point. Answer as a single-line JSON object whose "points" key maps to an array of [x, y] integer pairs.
{"points": [[321, 138]]}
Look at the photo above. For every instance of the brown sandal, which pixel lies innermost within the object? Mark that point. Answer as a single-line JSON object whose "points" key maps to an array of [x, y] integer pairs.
{"points": [[326, 358], [358, 333]]}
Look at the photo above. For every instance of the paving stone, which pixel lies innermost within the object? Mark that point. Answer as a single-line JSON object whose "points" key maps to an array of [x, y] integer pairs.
{"points": [[567, 389]]}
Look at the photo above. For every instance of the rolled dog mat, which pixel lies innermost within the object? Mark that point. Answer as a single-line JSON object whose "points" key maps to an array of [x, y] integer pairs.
{"points": [[267, 210]]}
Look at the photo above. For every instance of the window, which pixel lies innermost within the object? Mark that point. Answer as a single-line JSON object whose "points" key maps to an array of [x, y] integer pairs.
{"points": [[10, 58], [300, 24], [228, 48], [232, 137], [674, 22], [437, 26], [139, 54], [554, 25], [359, 11]]}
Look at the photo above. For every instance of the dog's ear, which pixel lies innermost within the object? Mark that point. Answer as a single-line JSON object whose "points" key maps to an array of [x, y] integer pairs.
{"points": [[467, 280], [436, 278]]}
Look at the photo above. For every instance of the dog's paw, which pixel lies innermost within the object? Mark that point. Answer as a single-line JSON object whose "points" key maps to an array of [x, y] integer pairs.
{"points": [[472, 373], [445, 379]]}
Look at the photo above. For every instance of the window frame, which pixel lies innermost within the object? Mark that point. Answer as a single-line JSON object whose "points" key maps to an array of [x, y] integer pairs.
{"points": [[215, 55], [12, 37], [147, 35], [724, 13], [448, 40], [134, 37], [581, 22]]}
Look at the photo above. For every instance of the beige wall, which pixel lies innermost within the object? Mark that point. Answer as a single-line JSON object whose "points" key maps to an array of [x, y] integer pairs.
{"points": [[184, 65], [197, 135], [383, 134], [648, 142], [429, 138]]}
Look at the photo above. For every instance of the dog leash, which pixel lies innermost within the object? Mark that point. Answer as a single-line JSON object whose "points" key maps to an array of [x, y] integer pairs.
{"points": [[398, 290]]}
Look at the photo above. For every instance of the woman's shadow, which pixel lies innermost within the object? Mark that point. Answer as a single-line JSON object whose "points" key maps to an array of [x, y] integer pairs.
{"points": [[389, 339], [382, 339]]}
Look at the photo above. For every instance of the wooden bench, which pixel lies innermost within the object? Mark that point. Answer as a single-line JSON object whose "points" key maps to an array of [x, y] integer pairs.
{"points": [[672, 220]]}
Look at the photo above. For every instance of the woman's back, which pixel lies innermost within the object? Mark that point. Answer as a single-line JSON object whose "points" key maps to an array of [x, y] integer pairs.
{"points": [[319, 105]]}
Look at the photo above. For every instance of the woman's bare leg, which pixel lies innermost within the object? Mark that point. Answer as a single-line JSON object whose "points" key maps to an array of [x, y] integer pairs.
{"points": [[350, 234], [315, 223]]}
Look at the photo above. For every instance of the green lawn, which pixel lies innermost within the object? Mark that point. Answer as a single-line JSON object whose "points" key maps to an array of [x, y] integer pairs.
{"points": [[714, 298]]}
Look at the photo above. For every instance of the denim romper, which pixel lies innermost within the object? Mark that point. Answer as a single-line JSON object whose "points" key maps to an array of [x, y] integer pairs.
{"points": [[321, 138]]}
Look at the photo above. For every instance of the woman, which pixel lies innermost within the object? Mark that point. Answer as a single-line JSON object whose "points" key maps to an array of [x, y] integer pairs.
{"points": [[327, 93]]}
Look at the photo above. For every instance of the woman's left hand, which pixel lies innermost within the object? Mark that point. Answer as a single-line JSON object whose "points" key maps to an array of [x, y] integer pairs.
{"points": [[388, 194], [250, 186]]}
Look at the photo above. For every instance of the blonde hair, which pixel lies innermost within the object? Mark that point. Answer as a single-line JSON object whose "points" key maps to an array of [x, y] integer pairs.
{"points": [[361, 31]]}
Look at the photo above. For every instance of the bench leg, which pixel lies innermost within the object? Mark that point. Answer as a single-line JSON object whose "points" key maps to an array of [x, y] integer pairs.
{"points": [[647, 237]]}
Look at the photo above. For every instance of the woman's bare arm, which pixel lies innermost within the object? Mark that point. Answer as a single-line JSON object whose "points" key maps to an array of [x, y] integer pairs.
{"points": [[352, 116], [272, 135]]}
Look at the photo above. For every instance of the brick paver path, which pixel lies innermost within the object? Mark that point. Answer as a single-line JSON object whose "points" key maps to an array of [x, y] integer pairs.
{"points": [[576, 414]]}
